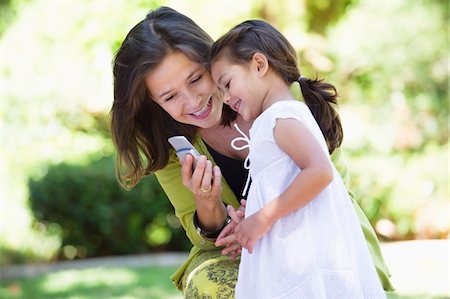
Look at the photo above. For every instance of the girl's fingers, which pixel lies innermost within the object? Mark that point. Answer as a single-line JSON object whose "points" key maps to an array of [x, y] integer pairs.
{"points": [[250, 248]]}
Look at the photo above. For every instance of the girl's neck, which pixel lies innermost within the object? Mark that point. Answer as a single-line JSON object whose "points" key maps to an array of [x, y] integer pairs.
{"points": [[277, 91]]}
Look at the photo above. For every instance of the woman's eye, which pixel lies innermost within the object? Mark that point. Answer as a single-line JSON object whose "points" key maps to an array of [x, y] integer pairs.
{"points": [[227, 86], [169, 98], [196, 79]]}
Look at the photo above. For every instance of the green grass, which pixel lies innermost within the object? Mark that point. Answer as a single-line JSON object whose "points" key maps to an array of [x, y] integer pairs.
{"points": [[106, 282], [103, 282], [419, 271]]}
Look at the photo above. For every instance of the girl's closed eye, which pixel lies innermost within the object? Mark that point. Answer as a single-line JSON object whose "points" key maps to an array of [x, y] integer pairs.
{"points": [[227, 85]]}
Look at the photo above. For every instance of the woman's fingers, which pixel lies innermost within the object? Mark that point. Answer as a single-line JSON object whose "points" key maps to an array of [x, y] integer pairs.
{"points": [[233, 215], [217, 178], [231, 248], [226, 231], [243, 203], [236, 253], [206, 182], [197, 175], [225, 241], [186, 171]]}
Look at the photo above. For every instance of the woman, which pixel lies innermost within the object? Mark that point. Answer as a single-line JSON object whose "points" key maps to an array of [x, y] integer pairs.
{"points": [[162, 87]]}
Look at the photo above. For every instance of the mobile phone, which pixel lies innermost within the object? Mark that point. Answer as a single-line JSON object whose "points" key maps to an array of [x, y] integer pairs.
{"points": [[184, 147]]}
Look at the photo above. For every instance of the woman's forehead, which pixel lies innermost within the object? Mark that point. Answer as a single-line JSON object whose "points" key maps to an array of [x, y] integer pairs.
{"points": [[174, 70]]}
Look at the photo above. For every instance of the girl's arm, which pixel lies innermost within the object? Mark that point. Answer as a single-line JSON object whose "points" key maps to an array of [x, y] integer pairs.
{"points": [[296, 140]]}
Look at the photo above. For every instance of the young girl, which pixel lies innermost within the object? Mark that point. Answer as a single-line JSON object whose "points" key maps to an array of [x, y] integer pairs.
{"points": [[300, 232]]}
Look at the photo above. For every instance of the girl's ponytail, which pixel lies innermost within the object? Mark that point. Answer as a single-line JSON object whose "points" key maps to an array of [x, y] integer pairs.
{"points": [[319, 96]]}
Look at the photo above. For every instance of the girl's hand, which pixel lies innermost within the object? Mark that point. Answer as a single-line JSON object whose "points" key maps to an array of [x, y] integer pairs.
{"points": [[205, 181], [251, 229]]}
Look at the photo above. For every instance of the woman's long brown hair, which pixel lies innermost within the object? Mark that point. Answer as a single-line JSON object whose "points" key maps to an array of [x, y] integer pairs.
{"points": [[139, 126]]}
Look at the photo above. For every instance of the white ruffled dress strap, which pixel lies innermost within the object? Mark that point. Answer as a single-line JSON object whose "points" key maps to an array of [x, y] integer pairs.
{"points": [[244, 138]]}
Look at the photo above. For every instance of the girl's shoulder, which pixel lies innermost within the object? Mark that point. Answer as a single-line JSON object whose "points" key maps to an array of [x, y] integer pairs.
{"points": [[267, 121], [284, 109]]}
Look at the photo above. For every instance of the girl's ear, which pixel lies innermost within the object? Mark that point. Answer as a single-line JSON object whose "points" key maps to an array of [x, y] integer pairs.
{"points": [[260, 63]]}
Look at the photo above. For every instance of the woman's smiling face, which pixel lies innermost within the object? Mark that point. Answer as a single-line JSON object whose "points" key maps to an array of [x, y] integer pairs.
{"points": [[185, 90]]}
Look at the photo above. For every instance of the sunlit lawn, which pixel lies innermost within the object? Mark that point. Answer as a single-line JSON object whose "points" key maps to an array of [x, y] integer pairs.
{"points": [[149, 282], [420, 270], [104, 282]]}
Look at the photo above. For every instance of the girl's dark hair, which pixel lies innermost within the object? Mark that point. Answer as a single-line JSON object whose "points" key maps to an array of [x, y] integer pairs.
{"points": [[255, 36], [139, 126]]}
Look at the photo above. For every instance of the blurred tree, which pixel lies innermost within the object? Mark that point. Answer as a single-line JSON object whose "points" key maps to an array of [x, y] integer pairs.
{"points": [[96, 217], [8, 12], [401, 70], [321, 14]]}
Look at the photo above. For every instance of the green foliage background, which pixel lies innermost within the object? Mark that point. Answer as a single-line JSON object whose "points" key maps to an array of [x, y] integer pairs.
{"points": [[388, 59]]}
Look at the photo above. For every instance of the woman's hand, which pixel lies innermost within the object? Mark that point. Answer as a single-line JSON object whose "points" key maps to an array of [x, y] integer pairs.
{"points": [[206, 185], [205, 181], [227, 237]]}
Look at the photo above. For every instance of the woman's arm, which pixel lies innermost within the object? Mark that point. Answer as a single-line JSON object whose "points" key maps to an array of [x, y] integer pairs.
{"points": [[185, 202], [296, 140]]}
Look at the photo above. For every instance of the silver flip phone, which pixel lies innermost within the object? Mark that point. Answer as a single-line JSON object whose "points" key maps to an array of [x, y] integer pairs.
{"points": [[184, 147]]}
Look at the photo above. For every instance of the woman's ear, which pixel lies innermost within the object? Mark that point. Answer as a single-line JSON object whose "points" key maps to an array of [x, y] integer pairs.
{"points": [[260, 63]]}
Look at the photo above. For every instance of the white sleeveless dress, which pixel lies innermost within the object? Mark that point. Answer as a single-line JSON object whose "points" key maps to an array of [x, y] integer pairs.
{"points": [[318, 251]]}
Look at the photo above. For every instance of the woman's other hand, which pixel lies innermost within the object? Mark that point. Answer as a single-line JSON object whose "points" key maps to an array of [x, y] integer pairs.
{"points": [[227, 237]]}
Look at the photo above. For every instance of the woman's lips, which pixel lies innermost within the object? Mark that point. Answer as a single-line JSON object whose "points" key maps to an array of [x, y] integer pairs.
{"points": [[204, 112]]}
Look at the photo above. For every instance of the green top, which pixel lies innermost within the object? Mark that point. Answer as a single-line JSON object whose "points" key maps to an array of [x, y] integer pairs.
{"points": [[183, 202]]}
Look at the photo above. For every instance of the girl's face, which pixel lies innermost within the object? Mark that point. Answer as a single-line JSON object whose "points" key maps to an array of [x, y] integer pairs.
{"points": [[186, 91], [241, 87]]}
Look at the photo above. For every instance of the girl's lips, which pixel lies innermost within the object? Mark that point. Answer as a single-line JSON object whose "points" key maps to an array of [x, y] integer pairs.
{"points": [[204, 112], [236, 106]]}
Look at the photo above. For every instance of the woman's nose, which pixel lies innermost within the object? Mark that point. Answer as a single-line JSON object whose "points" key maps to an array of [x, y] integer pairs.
{"points": [[192, 98]]}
